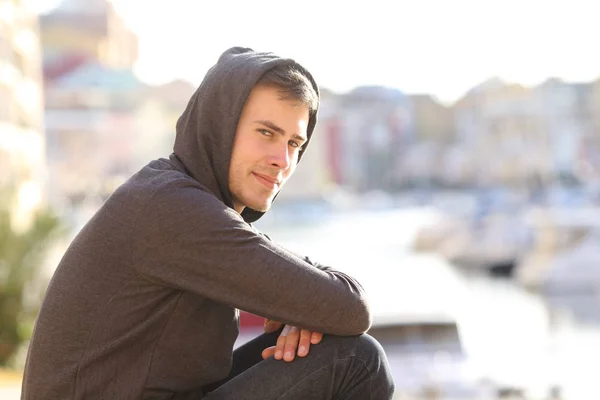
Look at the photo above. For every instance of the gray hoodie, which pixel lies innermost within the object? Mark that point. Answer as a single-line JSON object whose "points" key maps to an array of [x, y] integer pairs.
{"points": [[144, 303]]}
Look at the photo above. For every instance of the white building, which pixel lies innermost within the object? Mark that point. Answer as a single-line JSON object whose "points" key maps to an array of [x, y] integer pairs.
{"points": [[564, 109]]}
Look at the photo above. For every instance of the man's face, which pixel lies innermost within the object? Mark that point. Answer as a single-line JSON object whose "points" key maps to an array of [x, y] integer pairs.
{"points": [[268, 139]]}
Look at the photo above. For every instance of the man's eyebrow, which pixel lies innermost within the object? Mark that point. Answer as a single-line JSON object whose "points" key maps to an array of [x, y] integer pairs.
{"points": [[281, 131]]}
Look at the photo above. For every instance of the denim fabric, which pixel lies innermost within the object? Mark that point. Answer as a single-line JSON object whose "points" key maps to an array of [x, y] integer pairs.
{"points": [[340, 367]]}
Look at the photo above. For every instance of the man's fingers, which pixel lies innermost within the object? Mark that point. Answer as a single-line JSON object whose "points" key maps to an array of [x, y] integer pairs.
{"points": [[291, 343], [268, 352], [286, 330], [279, 346], [316, 337], [304, 344]]}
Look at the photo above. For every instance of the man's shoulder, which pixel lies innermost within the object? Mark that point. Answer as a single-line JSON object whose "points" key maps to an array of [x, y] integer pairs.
{"points": [[155, 181], [160, 181], [157, 176]]}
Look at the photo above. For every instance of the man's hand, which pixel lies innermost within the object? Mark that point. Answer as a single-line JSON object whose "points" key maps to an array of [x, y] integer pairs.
{"points": [[290, 339]]}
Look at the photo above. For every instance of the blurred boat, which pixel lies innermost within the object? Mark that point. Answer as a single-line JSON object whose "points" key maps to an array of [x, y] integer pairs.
{"points": [[460, 337], [490, 244]]}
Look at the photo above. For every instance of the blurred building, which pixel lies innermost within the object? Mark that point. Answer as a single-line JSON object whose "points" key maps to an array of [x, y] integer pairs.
{"points": [[529, 136], [501, 126], [103, 125], [594, 111], [21, 102], [567, 119], [78, 31], [595, 106], [433, 121], [434, 133], [329, 129], [377, 138], [369, 130], [91, 135], [92, 99]]}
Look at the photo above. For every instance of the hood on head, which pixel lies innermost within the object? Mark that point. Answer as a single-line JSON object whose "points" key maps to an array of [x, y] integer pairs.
{"points": [[206, 129]]}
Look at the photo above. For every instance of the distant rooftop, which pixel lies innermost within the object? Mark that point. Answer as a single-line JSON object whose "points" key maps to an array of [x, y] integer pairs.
{"points": [[93, 74]]}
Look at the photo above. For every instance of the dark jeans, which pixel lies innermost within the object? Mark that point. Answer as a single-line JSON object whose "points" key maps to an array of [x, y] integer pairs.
{"points": [[340, 367]]}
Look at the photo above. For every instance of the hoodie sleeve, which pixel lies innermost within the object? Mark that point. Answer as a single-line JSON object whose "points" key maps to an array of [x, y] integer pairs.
{"points": [[305, 258], [191, 241]]}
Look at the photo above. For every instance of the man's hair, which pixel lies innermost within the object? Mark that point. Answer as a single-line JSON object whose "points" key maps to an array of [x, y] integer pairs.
{"points": [[292, 85]]}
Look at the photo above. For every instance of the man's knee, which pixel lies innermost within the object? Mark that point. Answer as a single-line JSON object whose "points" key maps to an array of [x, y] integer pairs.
{"points": [[370, 345], [373, 362], [369, 348], [364, 347]]}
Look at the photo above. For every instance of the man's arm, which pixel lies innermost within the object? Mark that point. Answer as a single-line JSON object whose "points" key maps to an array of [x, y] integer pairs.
{"points": [[292, 340], [192, 241]]}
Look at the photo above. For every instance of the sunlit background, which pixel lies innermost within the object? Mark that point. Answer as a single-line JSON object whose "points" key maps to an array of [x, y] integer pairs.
{"points": [[455, 170]]}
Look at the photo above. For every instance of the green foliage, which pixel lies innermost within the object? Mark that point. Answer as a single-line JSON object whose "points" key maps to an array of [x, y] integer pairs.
{"points": [[21, 256]]}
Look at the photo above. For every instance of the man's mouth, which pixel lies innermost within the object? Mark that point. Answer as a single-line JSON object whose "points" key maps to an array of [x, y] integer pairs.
{"points": [[267, 181]]}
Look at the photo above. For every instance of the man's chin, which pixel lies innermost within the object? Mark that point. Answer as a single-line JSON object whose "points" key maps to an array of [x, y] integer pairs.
{"points": [[263, 206]]}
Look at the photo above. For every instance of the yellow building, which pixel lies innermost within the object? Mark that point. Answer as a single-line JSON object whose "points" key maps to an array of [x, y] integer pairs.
{"points": [[22, 141], [502, 125], [432, 120], [88, 29]]}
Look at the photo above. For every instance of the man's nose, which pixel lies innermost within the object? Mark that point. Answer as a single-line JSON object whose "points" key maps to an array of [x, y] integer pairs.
{"points": [[281, 157]]}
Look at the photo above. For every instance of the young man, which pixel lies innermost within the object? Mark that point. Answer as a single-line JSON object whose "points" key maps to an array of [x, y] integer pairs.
{"points": [[144, 304]]}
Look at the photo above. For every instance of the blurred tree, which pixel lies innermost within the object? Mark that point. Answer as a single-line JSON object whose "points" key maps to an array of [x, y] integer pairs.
{"points": [[21, 254]]}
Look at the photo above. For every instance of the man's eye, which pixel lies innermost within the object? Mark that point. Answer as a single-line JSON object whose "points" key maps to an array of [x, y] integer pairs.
{"points": [[296, 145], [265, 132]]}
